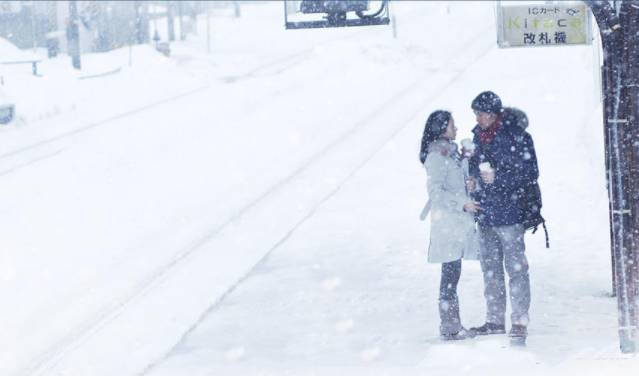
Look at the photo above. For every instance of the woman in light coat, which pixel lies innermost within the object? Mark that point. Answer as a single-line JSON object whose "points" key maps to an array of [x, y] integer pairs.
{"points": [[452, 235]]}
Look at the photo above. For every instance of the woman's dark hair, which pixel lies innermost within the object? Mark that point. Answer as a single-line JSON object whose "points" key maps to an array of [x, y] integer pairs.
{"points": [[435, 127]]}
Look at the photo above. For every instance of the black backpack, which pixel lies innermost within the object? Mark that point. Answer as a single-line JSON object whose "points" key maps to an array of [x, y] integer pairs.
{"points": [[529, 197]]}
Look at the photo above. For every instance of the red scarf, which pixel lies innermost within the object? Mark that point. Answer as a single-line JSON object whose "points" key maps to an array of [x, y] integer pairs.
{"points": [[486, 136]]}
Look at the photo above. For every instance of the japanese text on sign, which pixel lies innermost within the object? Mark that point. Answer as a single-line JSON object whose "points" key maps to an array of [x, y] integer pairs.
{"points": [[529, 26]]}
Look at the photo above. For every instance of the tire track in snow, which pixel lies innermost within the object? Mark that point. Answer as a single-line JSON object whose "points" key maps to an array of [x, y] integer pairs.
{"points": [[93, 125], [30, 162]]}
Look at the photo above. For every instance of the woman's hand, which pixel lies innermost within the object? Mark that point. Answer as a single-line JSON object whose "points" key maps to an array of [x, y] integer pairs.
{"points": [[471, 184], [472, 207], [488, 176], [467, 153]]}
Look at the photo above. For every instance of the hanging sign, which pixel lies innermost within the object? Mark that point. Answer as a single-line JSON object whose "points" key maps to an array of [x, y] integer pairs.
{"points": [[562, 23]]}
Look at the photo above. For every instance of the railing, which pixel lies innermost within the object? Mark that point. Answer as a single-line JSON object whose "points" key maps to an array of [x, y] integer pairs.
{"points": [[34, 64]]}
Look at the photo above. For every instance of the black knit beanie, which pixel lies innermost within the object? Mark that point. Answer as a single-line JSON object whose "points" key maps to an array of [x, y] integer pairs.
{"points": [[487, 102]]}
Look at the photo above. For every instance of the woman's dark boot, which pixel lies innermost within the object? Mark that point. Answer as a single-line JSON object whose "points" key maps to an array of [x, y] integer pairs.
{"points": [[451, 327]]}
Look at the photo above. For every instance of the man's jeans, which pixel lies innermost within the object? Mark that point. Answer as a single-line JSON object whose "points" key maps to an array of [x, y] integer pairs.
{"points": [[499, 246]]}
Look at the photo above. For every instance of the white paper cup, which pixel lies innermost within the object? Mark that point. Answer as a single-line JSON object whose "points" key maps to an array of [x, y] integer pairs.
{"points": [[468, 144], [485, 167]]}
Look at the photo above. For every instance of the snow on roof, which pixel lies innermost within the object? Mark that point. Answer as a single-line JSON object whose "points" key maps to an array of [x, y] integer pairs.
{"points": [[9, 52]]}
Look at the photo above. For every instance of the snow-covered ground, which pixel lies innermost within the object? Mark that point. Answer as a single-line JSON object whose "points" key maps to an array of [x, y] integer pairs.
{"points": [[255, 210]]}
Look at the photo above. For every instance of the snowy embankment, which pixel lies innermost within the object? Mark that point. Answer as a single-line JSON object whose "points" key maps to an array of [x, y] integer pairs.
{"points": [[136, 202]]}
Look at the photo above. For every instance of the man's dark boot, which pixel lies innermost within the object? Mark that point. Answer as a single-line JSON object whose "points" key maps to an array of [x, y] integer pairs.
{"points": [[462, 334], [518, 334], [487, 329]]}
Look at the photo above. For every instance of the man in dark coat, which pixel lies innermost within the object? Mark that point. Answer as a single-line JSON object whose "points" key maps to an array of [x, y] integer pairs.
{"points": [[503, 164]]}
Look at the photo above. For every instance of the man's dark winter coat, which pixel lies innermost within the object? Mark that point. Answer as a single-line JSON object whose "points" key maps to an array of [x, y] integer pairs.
{"points": [[512, 154]]}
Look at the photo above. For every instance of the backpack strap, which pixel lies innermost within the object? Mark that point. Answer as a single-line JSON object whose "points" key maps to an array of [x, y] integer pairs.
{"points": [[543, 223], [546, 231]]}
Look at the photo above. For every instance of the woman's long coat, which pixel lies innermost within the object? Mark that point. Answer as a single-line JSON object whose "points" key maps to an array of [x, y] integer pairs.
{"points": [[453, 234]]}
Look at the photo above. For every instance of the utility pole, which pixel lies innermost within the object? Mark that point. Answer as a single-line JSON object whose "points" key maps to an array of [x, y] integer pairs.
{"points": [[182, 31], [33, 27], [194, 11], [73, 35], [169, 20], [140, 23], [208, 27], [619, 26]]}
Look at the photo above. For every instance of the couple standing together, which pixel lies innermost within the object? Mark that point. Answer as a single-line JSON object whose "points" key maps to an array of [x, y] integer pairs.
{"points": [[476, 212]]}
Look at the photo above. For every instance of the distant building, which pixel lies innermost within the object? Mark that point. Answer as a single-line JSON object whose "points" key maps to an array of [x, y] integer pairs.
{"points": [[104, 25]]}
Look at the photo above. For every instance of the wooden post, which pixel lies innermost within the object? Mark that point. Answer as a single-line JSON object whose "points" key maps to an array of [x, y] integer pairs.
{"points": [[616, 33]]}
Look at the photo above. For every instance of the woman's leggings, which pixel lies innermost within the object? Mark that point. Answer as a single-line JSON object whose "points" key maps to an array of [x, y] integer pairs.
{"points": [[451, 271]]}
